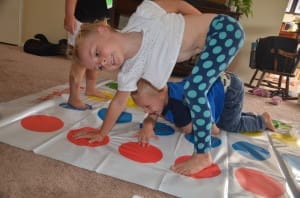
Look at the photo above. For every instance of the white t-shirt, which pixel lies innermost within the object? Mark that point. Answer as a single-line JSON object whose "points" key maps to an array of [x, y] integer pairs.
{"points": [[162, 38]]}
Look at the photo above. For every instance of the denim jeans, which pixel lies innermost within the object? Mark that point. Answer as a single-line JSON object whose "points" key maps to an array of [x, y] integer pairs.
{"points": [[232, 118]]}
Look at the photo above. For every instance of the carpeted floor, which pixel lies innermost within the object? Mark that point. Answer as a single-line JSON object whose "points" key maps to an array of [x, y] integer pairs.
{"points": [[25, 174]]}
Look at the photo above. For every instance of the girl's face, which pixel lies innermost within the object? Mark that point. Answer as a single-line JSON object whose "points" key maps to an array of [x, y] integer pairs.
{"points": [[99, 50]]}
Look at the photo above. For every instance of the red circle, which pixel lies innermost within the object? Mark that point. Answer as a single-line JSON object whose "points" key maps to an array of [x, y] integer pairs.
{"points": [[259, 183], [211, 171], [138, 153], [42, 123], [85, 141]]}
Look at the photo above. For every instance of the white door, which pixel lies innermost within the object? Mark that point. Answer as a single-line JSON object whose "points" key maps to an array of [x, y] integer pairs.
{"points": [[11, 21]]}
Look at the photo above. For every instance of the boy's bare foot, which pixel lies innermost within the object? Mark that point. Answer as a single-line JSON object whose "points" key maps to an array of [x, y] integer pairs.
{"points": [[196, 163], [268, 121], [215, 130]]}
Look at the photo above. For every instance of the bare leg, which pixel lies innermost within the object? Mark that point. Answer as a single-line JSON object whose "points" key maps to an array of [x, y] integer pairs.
{"points": [[268, 121], [91, 80], [196, 163], [75, 79]]}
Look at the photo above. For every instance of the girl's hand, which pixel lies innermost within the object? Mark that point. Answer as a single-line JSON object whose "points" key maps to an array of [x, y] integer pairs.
{"points": [[94, 135]]}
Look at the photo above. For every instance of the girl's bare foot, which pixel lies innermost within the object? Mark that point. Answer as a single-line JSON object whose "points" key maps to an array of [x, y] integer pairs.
{"points": [[196, 163], [268, 121]]}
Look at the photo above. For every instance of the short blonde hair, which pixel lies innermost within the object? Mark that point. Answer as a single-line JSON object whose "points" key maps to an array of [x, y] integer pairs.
{"points": [[85, 30], [144, 87]]}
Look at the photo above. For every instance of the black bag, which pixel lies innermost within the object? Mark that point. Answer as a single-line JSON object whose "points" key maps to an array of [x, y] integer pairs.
{"points": [[40, 46]]}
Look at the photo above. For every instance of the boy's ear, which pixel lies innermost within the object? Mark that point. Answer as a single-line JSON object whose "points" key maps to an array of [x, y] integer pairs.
{"points": [[102, 29]]}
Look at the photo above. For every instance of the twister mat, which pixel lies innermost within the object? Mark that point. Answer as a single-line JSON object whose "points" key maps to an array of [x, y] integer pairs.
{"points": [[245, 165]]}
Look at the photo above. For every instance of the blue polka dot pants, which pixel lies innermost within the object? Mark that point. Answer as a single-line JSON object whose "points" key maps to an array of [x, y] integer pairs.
{"points": [[224, 38]]}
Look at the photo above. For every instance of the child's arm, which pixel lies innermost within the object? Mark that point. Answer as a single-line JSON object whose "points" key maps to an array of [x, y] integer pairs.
{"points": [[178, 6], [147, 131], [69, 21], [115, 108]]}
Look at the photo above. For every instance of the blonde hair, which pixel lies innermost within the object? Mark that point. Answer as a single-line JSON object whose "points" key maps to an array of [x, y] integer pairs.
{"points": [[144, 87], [85, 30]]}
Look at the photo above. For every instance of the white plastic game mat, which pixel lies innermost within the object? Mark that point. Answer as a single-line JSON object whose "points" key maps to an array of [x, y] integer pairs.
{"points": [[245, 165]]}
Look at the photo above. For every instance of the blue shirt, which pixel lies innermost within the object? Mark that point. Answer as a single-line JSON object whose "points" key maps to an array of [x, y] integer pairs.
{"points": [[177, 112]]}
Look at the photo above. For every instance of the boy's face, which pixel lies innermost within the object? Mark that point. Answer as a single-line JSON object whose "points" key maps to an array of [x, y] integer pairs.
{"points": [[151, 104], [100, 51]]}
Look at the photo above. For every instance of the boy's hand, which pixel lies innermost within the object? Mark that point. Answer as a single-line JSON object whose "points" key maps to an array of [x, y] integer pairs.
{"points": [[144, 136], [94, 136]]}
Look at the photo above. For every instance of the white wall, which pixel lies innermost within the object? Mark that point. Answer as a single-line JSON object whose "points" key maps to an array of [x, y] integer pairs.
{"points": [[43, 16], [266, 21], [11, 21]]}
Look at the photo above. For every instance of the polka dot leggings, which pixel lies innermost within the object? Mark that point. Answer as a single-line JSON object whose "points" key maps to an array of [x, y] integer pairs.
{"points": [[224, 38]]}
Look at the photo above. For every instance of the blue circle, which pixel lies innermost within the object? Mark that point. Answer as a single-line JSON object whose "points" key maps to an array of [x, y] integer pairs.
{"points": [[215, 141], [208, 138], [197, 79], [201, 100], [211, 72], [251, 151], [204, 55], [217, 49], [196, 108], [186, 84], [192, 93], [202, 86], [228, 42], [238, 34], [232, 51], [222, 67], [206, 114], [219, 26], [195, 70], [212, 42], [200, 122], [201, 134], [200, 146], [222, 35], [125, 117], [229, 27], [207, 64], [221, 58], [162, 129]]}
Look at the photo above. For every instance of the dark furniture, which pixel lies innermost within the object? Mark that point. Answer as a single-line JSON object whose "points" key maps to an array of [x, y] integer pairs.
{"points": [[275, 55], [127, 7]]}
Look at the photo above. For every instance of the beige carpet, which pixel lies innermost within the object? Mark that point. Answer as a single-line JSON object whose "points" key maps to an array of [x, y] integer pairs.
{"points": [[25, 174]]}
